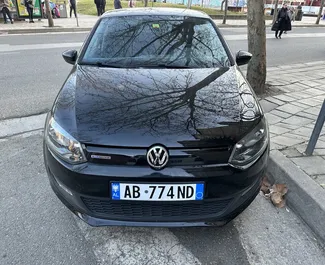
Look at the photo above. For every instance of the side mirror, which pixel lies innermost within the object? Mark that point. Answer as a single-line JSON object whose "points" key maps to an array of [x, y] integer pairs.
{"points": [[243, 57], [70, 56]]}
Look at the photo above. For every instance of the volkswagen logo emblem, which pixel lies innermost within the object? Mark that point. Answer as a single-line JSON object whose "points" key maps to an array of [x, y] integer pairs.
{"points": [[157, 157]]}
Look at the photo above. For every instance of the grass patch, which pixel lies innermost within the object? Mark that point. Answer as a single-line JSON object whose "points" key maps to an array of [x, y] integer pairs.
{"points": [[87, 7]]}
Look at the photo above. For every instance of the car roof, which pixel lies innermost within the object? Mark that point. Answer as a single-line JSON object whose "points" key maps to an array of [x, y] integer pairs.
{"points": [[161, 11]]}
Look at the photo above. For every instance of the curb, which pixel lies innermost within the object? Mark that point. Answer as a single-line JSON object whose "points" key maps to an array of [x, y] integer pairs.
{"points": [[305, 197]]}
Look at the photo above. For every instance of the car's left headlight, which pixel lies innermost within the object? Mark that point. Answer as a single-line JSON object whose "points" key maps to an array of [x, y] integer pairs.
{"points": [[249, 149], [63, 144]]}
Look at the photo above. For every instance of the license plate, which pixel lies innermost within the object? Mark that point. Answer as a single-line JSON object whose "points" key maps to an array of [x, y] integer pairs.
{"points": [[157, 192]]}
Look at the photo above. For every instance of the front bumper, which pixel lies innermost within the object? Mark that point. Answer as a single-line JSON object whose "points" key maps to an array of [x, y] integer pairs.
{"points": [[84, 189]]}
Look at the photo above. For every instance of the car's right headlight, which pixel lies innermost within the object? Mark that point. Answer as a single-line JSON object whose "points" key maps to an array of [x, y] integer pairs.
{"points": [[249, 149], [63, 144]]}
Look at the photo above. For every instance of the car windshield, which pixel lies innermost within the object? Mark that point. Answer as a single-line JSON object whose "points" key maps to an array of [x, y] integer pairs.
{"points": [[156, 41]]}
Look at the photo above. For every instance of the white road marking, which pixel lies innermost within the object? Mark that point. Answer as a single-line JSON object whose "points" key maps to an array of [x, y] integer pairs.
{"points": [[10, 48], [20, 125], [43, 33], [135, 246], [8, 53]]}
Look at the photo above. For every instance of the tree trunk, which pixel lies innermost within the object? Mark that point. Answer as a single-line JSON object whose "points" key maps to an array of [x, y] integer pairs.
{"points": [[275, 14], [189, 4], [222, 3], [320, 12], [256, 70], [225, 14], [145, 3], [49, 14]]}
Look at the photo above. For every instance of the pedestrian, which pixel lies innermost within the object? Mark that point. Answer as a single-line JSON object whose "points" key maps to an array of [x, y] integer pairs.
{"points": [[100, 5], [293, 12], [117, 4], [290, 15], [30, 9], [283, 22], [103, 6], [4, 7], [72, 4], [132, 3]]}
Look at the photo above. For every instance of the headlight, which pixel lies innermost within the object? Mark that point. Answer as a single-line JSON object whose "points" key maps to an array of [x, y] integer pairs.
{"points": [[63, 144], [251, 147]]}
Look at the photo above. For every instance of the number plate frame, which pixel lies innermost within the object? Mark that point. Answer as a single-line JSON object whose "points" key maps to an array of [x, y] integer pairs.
{"points": [[197, 196]]}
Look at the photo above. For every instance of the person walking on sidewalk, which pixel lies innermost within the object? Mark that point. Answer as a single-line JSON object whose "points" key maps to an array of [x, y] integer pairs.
{"points": [[117, 4], [4, 7], [283, 22], [100, 5], [290, 17], [72, 4], [293, 14], [30, 9], [103, 6], [131, 3]]}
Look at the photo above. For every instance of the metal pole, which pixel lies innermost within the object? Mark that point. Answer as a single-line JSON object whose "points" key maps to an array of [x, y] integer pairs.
{"points": [[77, 15], [316, 132]]}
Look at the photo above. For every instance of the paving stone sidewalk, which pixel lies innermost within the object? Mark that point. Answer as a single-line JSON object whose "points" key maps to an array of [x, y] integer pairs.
{"points": [[295, 97]]}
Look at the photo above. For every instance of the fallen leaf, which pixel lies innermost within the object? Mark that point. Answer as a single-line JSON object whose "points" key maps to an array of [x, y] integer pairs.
{"points": [[281, 188], [275, 192], [265, 188], [277, 199]]}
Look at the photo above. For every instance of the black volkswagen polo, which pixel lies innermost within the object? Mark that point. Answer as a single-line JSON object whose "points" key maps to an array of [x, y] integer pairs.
{"points": [[155, 124]]}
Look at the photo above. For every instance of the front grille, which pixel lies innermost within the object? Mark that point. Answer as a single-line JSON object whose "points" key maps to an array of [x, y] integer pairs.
{"points": [[147, 211], [177, 157]]}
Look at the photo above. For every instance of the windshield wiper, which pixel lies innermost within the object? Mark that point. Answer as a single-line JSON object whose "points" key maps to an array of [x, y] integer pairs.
{"points": [[103, 64], [110, 65], [162, 65]]}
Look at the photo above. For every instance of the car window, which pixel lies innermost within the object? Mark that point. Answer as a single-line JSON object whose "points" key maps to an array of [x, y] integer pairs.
{"points": [[144, 41]]}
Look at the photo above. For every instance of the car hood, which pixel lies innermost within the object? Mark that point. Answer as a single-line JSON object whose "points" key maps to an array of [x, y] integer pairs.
{"points": [[141, 107]]}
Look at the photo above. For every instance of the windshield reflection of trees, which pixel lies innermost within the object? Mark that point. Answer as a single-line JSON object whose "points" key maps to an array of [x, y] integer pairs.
{"points": [[190, 42], [203, 102]]}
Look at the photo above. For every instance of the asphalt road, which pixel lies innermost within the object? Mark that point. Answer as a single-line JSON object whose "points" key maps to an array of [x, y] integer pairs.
{"points": [[37, 229], [32, 69]]}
